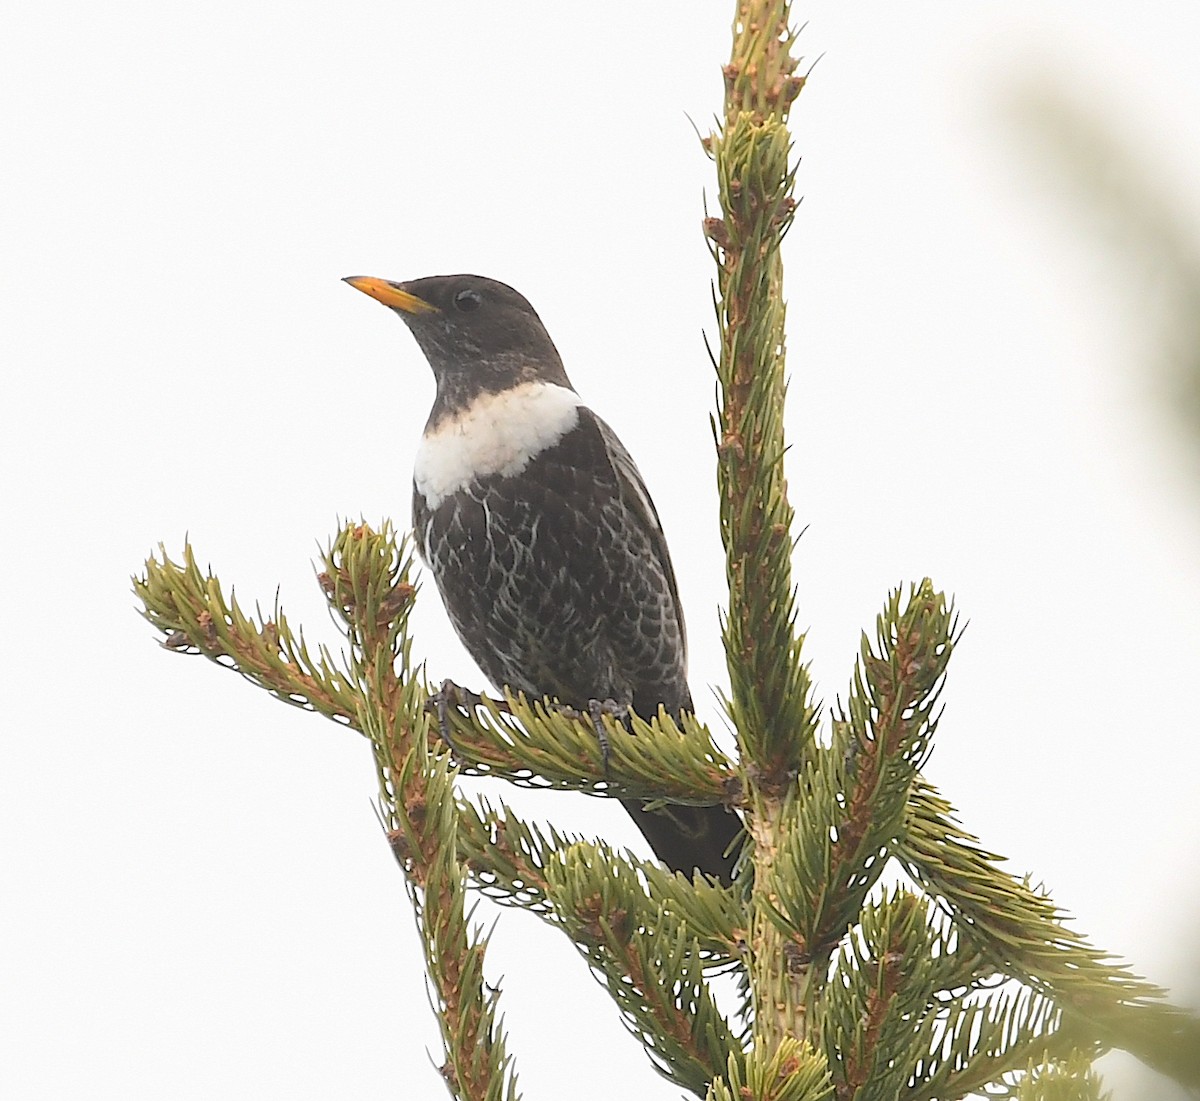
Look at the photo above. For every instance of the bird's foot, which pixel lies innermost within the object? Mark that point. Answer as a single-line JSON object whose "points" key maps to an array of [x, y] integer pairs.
{"points": [[597, 709], [451, 695]]}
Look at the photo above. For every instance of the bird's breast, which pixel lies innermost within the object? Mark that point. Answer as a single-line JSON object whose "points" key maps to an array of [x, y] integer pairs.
{"points": [[496, 435]]}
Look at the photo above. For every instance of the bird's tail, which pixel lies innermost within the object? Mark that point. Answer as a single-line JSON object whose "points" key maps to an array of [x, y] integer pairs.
{"points": [[689, 839]]}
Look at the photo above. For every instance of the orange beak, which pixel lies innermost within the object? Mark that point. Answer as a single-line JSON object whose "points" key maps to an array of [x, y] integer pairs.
{"points": [[390, 294]]}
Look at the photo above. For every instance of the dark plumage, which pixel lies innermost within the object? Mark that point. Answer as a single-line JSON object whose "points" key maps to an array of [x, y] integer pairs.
{"points": [[539, 532]]}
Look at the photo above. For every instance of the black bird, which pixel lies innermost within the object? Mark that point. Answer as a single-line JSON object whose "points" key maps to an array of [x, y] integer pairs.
{"points": [[539, 532]]}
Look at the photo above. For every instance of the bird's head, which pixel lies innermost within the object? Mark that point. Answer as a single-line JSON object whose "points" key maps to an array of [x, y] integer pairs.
{"points": [[479, 335]]}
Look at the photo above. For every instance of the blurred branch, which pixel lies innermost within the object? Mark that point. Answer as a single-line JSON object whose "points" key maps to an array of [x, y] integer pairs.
{"points": [[1144, 223]]}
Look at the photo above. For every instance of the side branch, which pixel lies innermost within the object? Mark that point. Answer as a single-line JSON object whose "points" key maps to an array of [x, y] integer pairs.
{"points": [[650, 961], [368, 580], [544, 745], [1023, 935], [189, 607], [852, 797]]}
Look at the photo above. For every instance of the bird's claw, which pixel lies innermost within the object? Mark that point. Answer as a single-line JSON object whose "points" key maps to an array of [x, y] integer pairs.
{"points": [[597, 709], [450, 695]]}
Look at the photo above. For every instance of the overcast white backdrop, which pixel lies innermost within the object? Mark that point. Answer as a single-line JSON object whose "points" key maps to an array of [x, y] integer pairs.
{"points": [[196, 899]]}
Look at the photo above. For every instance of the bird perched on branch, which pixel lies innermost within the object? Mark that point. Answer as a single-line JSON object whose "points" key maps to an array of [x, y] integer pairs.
{"points": [[544, 543]]}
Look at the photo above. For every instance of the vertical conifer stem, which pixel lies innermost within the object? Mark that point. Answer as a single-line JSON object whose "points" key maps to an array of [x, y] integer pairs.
{"points": [[755, 178], [768, 696]]}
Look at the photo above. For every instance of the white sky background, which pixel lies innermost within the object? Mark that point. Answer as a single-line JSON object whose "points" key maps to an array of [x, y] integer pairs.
{"points": [[197, 902]]}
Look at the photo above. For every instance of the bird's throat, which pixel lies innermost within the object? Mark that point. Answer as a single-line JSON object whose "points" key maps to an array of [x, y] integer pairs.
{"points": [[497, 434]]}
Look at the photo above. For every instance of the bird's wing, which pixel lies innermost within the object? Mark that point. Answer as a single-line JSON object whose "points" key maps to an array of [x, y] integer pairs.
{"points": [[637, 500]]}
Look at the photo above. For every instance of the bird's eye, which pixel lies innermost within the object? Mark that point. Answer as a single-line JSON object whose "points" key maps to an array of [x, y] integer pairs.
{"points": [[466, 301]]}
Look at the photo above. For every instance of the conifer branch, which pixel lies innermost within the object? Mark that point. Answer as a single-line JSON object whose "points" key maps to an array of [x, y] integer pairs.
{"points": [[854, 794], [770, 690], [984, 1045], [1023, 934], [507, 857], [911, 1034], [792, 1071], [530, 744], [649, 960], [189, 607], [368, 582], [508, 860], [714, 915], [540, 744], [1067, 1079], [878, 988]]}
